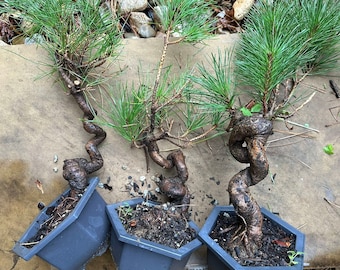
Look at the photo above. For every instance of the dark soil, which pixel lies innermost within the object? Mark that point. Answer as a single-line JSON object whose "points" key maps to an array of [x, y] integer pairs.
{"points": [[275, 242], [168, 227], [56, 214]]}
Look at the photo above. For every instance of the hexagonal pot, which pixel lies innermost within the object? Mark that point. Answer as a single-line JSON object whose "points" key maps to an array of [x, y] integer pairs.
{"points": [[131, 253], [81, 236], [219, 259]]}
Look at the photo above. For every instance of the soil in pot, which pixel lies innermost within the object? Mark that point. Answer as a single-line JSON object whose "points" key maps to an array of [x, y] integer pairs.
{"points": [[163, 224], [56, 214], [275, 241]]}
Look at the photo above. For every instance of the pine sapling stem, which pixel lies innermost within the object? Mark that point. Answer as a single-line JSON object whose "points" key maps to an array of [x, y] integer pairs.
{"points": [[154, 104]]}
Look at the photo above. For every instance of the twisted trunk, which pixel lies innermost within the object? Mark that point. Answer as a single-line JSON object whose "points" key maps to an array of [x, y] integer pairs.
{"points": [[173, 187], [76, 170], [254, 132]]}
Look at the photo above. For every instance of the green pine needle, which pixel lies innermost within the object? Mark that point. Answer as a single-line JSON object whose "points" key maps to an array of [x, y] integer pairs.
{"points": [[190, 18], [81, 30], [215, 94], [281, 40]]}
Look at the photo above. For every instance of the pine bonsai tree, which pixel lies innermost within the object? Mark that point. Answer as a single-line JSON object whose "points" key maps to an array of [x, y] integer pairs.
{"points": [[79, 36]]}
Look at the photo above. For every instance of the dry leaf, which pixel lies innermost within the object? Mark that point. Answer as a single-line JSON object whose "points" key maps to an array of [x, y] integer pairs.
{"points": [[39, 185], [284, 243]]}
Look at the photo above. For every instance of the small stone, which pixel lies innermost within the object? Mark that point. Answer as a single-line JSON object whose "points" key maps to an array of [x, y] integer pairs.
{"points": [[124, 167], [55, 169], [157, 179], [178, 32], [126, 6], [241, 8], [142, 24], [142, 178], [146, 31], [145, 194], [100, 185], [159, 12], [221, 14], [35, 39], [55, 159], [225, 214]]}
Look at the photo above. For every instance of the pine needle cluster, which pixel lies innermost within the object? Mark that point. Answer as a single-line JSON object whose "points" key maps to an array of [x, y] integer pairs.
{"points": [[82, 31], [154, 102], [286, 40]]}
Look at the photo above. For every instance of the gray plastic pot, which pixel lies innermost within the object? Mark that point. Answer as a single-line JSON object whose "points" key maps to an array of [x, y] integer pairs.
{"points": [[219, 259], [131, 253], [81, 236]]}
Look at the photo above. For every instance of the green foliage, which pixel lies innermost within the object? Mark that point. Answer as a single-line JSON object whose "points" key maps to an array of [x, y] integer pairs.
{"points": [[322, 21], [249, 112], [329, 149], [284, 39], [81, 31], [245, 111], [125, 211], [292, 256], [168, 96], [215, 94], [126, 112], [270, 49], [191, 18]]}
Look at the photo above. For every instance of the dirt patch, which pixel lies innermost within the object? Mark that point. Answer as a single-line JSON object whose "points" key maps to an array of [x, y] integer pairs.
{"points": [[162, 224], [275, 245]]}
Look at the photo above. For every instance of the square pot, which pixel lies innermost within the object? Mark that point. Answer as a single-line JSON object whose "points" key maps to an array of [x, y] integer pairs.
{"points": [[219, 259], [81, 236], [131, 253]]}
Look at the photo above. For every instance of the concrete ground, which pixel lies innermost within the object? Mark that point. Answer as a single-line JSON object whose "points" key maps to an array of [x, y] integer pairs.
{"points": [[39, 121]]}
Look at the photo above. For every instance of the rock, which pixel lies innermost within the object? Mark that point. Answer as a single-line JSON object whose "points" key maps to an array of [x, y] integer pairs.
{"points": [[158, 14], [35, 39], [241, 8], [146, 31], [130, 35], [142, 24], [126, 6]]}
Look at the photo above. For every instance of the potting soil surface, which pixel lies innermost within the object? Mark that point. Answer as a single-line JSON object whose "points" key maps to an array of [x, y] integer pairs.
{"points": [[273, 251], [39, 121], [166, 226]]}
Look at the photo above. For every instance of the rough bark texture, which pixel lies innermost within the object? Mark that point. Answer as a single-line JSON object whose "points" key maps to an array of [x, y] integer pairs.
{"points": [[173, 187], [76, 170], [252, 131]]}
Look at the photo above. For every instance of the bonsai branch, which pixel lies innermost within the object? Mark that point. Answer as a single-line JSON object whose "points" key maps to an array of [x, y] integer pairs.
{"points": [[76, 170], [173, 187]]}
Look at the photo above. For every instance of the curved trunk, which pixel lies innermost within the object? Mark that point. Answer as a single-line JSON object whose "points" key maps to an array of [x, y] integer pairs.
{"points": [[76, 170], [254, 132], [173, 187]]}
